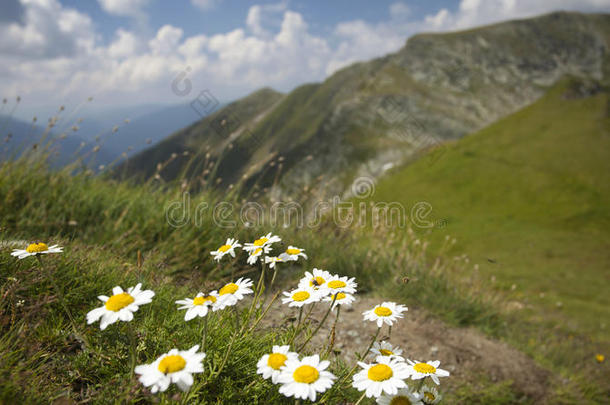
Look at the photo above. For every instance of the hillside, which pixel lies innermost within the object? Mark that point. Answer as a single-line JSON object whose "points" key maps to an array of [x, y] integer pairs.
{"points": [[526, 199], [372, 115]]}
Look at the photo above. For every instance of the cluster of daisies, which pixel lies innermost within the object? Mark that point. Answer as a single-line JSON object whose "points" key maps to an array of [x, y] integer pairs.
{"points": [[259, 250], [384, 377]]}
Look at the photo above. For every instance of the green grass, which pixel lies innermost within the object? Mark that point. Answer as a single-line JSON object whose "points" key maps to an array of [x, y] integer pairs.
{"points": [[526, 199], [104, 225]]}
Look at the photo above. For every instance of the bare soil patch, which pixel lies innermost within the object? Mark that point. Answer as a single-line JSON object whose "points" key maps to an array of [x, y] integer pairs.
{"points": [[465, 352]]}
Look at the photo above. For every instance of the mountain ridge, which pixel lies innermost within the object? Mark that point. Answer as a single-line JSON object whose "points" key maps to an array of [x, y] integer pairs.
{"points": [[372, 115]]}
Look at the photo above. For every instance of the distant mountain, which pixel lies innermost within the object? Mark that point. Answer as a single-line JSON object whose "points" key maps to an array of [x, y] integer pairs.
{"points": [[133, 129], [17, 136], [370, 116]]}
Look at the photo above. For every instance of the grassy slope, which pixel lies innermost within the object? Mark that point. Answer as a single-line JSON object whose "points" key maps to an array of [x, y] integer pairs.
{"points": [[526, 198], [102, 225]]}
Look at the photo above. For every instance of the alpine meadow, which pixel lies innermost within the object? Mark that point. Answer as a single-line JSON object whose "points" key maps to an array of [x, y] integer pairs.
{"points": [[223, 202]]}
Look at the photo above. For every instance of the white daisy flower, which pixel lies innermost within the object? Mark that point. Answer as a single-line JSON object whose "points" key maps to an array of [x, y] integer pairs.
{"points": [[386, 349], [292, 254], [429, 395], [262, 242], [337, 283], [254, 254], [316, 279], [385, 375], [273, 260], [300, 297], [270, 364], [404, 396], [120, 306], [199, 305], [430, 369], [230, 293], [303, 379], [227, 248], [34, 249], [173, 367], [342, 299], [387, 312]]}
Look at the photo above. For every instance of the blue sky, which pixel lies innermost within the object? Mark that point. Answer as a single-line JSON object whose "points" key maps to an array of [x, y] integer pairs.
{"points": [[130, 52]]}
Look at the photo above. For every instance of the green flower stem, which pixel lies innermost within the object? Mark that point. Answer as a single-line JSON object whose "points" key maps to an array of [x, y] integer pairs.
{"points": [[133, 346], [263, 314], [300, 317], [349, 374], [236, 313], [331, 336], [205, 332], [361, 398], [273, 277], [372, 342], [301, 324], [227, 354], [330, 308], [257, 292]]}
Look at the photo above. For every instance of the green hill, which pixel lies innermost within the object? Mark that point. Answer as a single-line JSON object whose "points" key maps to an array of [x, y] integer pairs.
{"points": [[368, 115], [527, 200]]}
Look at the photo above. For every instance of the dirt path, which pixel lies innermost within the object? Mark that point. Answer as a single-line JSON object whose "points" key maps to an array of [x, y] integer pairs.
{"points": [[465, 352]]}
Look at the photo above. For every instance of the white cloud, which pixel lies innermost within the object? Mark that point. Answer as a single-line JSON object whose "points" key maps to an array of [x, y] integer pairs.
{"points": [[125, 44], [205, 4], [54, 54], [261, 18], [48, 31], [166, 41], [124, 8], [477, 12], [399, 11]]}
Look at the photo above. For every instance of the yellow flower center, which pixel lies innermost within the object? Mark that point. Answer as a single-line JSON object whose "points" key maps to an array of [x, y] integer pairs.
{"points": [[118, 301], [293, 251], [429, 396], [260, 242], [300, 296], [385, 352], [424, 368], [256, 252], [336, 284], [228, 289], [317, 281], [383, 311], [203, 300], [305, 374], [276, 360], [37, 248], [224, 248], [171, 364], [338, 296], [380, 372], [400, 400]]}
